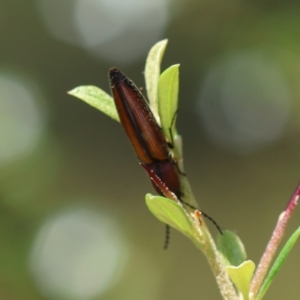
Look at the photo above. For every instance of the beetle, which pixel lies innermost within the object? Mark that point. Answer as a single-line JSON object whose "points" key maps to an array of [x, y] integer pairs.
{"points": [[144, 133], [147, 139]]}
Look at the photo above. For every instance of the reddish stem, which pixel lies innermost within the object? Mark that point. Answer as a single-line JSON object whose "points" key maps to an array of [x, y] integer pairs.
{"points": [[273, 244]]}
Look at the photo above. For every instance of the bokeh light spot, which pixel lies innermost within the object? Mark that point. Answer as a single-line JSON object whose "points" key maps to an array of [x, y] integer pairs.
{"points": [[121, 31], [77, 254], [22, 119], [244, 103]]}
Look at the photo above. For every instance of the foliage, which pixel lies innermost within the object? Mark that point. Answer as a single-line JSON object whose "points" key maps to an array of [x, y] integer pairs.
{"points": [[227, 257]]}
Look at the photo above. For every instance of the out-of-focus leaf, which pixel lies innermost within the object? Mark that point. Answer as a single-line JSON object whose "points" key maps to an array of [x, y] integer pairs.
{"points": [[97, 98], [241, 276], [231, 247]]}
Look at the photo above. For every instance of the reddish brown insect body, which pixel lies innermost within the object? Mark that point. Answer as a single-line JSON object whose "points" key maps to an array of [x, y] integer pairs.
{"points": [[147, 139], [145, 134]]}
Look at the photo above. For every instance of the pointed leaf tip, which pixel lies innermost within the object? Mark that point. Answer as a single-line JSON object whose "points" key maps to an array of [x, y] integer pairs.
{"points": [[97, 98], [152, 73]]}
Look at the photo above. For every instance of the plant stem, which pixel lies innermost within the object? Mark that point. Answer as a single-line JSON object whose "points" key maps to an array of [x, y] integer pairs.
{"points": [[203, 239], [273, 244], [208, 247]]}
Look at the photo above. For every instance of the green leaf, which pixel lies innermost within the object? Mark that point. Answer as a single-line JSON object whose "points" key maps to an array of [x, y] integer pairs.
{"points": [[278, 263], [152, 72], [171, 213], [97, 98], [231, 247], [168, 87], [241, 276]]}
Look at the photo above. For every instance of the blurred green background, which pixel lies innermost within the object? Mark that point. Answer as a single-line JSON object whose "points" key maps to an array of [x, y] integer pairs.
{"points": [[74, 224]]}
